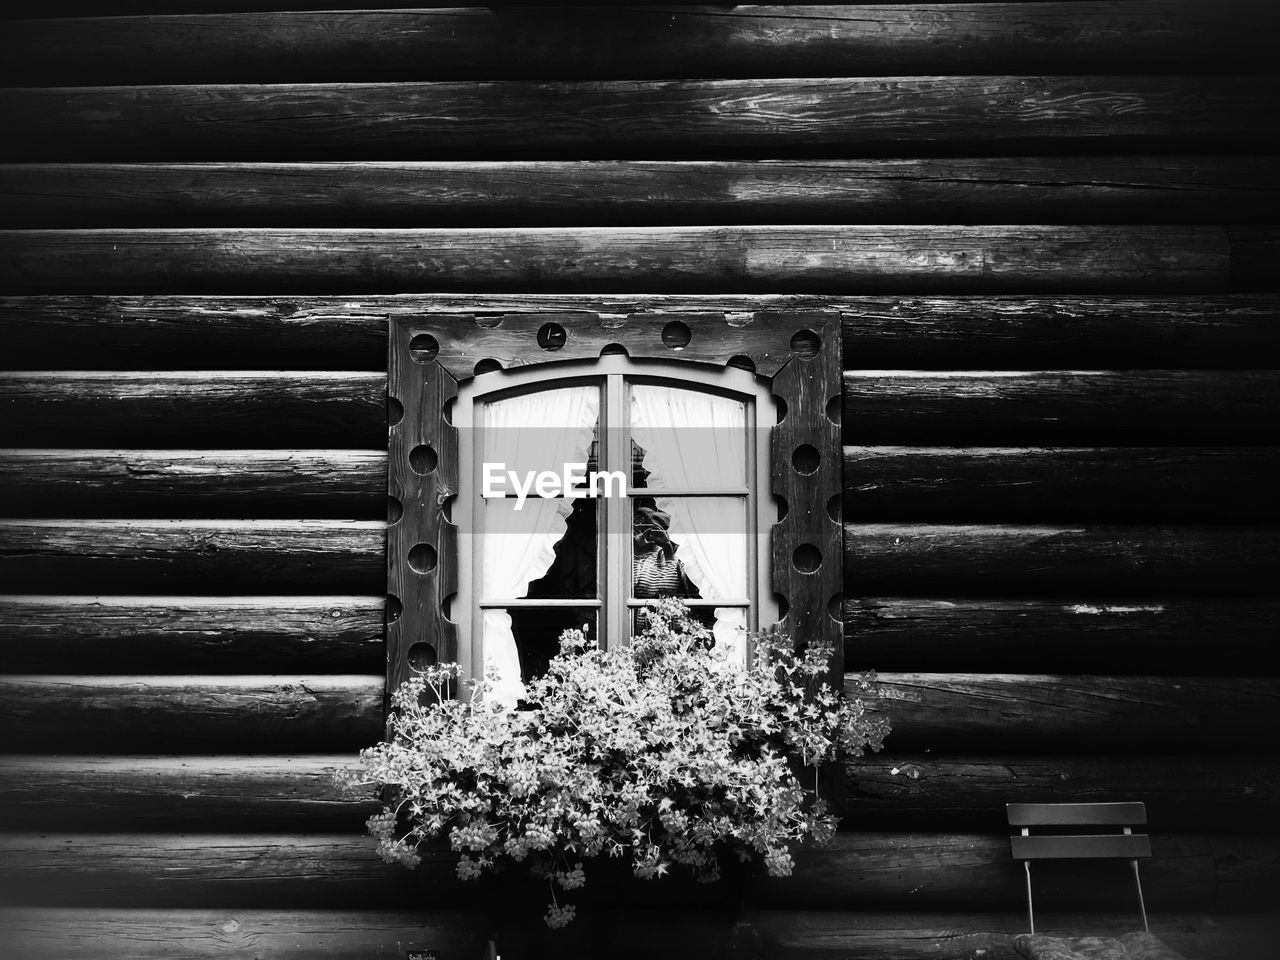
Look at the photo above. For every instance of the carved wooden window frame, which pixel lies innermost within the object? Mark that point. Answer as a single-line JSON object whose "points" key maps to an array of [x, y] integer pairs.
{"points": [[799, 352]]}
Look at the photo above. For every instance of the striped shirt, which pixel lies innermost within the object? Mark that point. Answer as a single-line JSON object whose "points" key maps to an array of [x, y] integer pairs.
{"points": [[655, 575]]}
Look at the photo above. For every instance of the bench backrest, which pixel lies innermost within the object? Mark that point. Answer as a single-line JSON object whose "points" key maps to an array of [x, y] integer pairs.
{"points": [[1126, 845]]}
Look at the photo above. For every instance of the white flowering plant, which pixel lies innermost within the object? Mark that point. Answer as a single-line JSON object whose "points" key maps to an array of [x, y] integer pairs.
{"points": [[659, 752]]}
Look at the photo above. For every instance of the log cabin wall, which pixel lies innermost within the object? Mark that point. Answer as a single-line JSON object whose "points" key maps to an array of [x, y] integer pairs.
{"points": [[1046, 227]]}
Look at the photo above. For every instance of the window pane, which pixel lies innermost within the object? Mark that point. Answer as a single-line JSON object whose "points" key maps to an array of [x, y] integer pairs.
{"points": [[539, 549], [520, 641], [692, 547], [538, 432], [573, 572], [684, 439]]}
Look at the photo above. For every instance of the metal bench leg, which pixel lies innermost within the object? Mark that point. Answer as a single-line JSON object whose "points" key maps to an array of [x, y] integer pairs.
{"points": [[1031, 916], [1142, 905]]}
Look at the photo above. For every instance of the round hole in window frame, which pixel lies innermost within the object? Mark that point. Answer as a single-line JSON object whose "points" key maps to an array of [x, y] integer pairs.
{"points": [[423, 348], [552, 336], [806, 459], [806, 558], [423, 459], [806, 344], [676, 335], [422, 558]]}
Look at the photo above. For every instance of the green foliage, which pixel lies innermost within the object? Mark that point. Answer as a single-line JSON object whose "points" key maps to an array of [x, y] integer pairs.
{"points": [[660, 752]]}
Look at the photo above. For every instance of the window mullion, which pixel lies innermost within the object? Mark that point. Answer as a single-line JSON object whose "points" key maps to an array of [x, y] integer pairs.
{"points": [[616, 539]]}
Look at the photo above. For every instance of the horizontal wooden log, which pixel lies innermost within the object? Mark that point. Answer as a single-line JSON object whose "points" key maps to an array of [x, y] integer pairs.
{"points": [[877, 870], [882, 407], [741, 259], [1073, 714], [235, 713], [955, 936], [145, 934], [1251, 250], [893, 790], [1130, 484], [632, 119], [1156, 189], [886, 870], [1087, 333], [187, 793], [254, 408], [164, 556], [880, 559], [130, 634], [911, 791], [194, 483], [1042, 408], [880, 333], [1084, 635], [964, 712], [86, 933], [1167, 36], [915, 559]]}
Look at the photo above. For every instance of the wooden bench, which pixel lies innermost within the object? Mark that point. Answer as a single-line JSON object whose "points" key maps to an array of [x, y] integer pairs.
{"points": [[1124, 845]]}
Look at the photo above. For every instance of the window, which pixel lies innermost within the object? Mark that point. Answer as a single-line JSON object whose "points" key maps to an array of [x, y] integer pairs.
{"points": [[588, 488], [739, 514]]}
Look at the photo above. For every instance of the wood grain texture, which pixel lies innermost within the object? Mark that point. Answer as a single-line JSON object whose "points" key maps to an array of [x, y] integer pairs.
{"points": [[175, 634], [178, 332], [1012, 484], [881, 407], [169, 713], [910, 791], [829, 259], [894, 790], [805, 543], [1141, 635], [190, 793], [200, 333], [880, 559], [1073, 714], [86, 933], [1167, 36], [881, 870], [194, 483], [80, 933], [1078, 407], [419, 587], [163, 556], [761, 338], [885, 870], [918, 935], [634, 119], [1062, 189], [1059, 561], [1046, 333], [1026, 713], [170, 409]]}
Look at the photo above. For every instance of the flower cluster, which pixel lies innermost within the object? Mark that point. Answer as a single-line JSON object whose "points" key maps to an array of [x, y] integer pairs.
{"points": [[660, 752]]}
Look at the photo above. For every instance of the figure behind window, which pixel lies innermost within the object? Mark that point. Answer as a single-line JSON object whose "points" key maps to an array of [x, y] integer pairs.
{"points": [[655, 570]]}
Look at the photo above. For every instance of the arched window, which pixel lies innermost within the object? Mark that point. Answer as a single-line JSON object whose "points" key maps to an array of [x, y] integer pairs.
{"points": [[586, 489]]}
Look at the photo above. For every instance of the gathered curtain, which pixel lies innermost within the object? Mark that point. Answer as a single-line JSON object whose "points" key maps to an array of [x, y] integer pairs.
{"points": [[698, 440], [529, 433]]}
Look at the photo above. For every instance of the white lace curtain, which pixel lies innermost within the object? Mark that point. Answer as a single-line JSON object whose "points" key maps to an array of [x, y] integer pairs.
{"points": [[698, 440], [530, 433]]}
